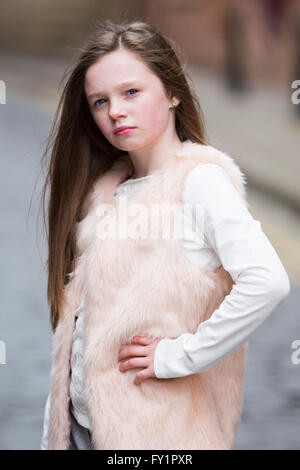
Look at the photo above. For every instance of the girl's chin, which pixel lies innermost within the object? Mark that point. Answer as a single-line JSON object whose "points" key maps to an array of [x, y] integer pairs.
{"points": [[128, 146]]}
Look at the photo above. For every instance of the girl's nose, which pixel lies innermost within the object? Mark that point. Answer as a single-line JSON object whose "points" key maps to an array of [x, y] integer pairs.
{"points": [[116, 111]]}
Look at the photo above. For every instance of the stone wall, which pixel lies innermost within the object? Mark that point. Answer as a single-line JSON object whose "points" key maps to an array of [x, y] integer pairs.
{"points": [[236, 37]]}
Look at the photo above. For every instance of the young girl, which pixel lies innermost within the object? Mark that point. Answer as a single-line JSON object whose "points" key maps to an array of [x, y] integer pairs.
{"points": [[150, 326]]}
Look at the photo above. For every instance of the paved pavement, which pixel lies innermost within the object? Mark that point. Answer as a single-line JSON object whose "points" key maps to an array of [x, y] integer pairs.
{"points": [[271, 412], [25, 327]]}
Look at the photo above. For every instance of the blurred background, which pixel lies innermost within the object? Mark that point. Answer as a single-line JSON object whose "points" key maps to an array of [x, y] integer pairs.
{"points": [[243, 58]]}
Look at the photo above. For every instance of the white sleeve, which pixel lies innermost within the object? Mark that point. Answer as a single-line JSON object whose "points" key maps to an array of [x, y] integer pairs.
{"points": [[261, 282], [44, 441]]}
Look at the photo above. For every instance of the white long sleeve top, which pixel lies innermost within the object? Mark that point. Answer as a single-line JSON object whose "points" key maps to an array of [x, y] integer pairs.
{"points": [[232, 238]]}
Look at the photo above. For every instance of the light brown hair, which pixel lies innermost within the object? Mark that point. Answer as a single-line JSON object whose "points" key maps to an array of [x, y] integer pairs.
{"points": [[80, 153]]}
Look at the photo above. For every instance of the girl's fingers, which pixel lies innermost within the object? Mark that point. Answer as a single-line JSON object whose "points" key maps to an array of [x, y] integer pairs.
{"points": [[140, 376], [145, 340], [131, 350], [133, 363]]}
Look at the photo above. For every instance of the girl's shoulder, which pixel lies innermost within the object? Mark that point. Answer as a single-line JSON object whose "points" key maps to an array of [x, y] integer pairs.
{"points": [[209, 184], [207, 165]]}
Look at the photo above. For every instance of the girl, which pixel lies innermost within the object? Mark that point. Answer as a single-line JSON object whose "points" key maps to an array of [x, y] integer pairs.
{"points": [[150, 324]]}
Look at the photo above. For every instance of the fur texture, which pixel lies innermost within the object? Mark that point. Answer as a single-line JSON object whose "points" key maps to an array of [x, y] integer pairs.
{"points": [[145, 287]]}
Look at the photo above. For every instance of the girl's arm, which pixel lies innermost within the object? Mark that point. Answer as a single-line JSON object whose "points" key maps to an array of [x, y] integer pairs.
{"points": [[247, 254]]}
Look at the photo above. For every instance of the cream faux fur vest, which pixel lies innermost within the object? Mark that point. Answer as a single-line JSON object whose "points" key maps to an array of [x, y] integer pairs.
{"points": [[145, 287]]}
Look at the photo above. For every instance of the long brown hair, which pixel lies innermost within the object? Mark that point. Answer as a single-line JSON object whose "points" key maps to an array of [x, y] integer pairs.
{"points": [[80, 153]]}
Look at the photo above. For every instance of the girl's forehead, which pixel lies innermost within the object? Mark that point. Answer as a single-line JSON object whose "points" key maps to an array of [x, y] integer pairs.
{"points": [[109, 72], [120, 63]]}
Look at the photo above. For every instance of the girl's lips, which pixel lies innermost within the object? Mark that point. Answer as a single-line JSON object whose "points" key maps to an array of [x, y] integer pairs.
{"points": [[125, 131]]}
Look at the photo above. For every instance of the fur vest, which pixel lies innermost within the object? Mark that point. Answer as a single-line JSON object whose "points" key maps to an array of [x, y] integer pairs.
{"points": [[144, 286]]}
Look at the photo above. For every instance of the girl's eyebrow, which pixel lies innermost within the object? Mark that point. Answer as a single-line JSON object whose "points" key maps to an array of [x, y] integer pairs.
{"points": [[121, 85]]}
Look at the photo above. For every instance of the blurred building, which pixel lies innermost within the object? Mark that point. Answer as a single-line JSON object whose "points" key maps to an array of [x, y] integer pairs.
{"points": [[250, 42], [53, 27]]}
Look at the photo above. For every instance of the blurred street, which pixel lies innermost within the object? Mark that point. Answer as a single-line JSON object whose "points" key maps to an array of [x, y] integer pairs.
{"points": [[258, 131]]}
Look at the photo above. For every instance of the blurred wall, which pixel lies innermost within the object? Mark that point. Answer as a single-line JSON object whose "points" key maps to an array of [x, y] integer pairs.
{"points": [[257, 41], [54, 27], [260, 39]]}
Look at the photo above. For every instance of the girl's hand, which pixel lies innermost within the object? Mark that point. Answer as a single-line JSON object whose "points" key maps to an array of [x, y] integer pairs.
{"points": [[139, 353]]}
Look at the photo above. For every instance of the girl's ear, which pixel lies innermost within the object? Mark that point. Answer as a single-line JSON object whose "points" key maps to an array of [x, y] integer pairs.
{"points": [[174, 102]]}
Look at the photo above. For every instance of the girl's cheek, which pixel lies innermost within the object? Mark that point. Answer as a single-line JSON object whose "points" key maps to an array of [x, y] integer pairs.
{"points": [[101, 125], [157, 120], [150, 115]]}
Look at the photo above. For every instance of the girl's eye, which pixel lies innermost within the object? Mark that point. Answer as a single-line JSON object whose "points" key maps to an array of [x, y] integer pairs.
{"points": [[131, 89], [95, 104], [134, 89]]}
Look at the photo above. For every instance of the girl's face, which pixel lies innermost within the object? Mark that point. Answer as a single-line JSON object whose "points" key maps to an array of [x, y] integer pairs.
{"points": [[122, 91]]}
